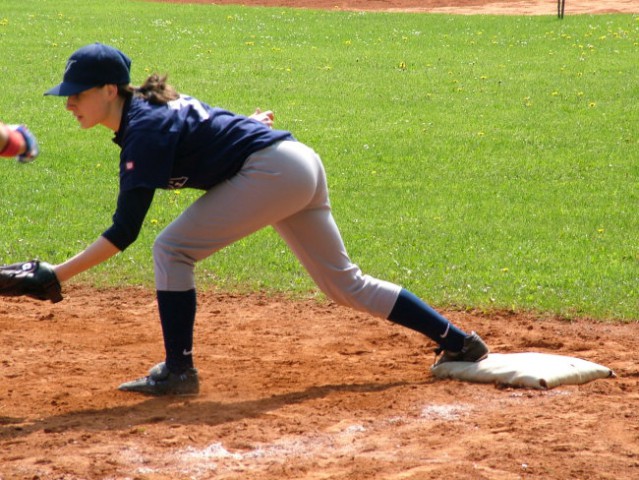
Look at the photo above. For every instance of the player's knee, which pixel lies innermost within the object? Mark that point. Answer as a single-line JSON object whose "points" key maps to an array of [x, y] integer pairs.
{"points": [[166, 251], [363, 293], [346, 295], [160, 248]]}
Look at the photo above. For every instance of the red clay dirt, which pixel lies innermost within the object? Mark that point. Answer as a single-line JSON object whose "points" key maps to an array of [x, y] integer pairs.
{"points": [[305, 389], [493, 7]]}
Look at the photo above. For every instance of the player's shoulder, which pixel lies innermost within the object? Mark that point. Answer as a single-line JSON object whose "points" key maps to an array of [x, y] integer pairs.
{"points": [[143, 114]]}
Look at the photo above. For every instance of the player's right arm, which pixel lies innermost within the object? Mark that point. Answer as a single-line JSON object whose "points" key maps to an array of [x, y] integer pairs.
{"points": [[267, 117]]}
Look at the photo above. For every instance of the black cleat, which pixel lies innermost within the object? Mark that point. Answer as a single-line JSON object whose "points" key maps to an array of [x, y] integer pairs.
{"points": [[162, 382], [474, 350]]}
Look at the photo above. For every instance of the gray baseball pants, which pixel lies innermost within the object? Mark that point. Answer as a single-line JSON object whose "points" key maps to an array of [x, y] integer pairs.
{"points": [[284, 186]]}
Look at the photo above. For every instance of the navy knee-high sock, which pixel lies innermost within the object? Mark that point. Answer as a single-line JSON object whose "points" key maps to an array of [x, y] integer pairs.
{"points": [[413, 313], [177, 314]]}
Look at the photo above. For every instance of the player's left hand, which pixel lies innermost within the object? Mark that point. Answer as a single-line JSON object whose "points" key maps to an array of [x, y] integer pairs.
{"points": [[266, 117], [33, 279]]}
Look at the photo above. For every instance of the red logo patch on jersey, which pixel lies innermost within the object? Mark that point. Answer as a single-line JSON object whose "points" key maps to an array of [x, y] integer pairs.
{"points": [[130, 165]]}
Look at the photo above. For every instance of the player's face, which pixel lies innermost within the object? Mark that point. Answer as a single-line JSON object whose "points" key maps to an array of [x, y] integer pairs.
{"points": [[91, 107]]}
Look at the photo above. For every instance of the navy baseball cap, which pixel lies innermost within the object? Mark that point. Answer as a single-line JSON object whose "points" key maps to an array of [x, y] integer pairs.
{"points": [[93, 66]]}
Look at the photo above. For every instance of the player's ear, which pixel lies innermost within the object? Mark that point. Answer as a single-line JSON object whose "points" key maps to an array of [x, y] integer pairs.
{"points": [[111, 91]]}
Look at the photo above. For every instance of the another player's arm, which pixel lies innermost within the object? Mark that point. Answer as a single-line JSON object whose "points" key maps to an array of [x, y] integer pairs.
{"points": [[127, 223], [17, 141], [4, 137]]}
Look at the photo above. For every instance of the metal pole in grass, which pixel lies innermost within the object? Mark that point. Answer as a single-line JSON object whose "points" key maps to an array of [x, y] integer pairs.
{"points": [[561, 6]]}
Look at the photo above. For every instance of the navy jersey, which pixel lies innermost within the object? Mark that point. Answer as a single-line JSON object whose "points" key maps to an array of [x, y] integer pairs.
{"points": [[186, 144], [183, 144]]}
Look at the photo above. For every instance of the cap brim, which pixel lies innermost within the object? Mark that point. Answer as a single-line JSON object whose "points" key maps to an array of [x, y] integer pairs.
{"points": [[68, 88]]}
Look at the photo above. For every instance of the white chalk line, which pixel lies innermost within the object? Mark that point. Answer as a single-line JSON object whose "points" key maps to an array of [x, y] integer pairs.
{"points": [[320, 447]]}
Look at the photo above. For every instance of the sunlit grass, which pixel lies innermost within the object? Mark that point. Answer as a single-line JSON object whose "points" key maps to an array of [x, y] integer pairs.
{"points": [[483, 162]]}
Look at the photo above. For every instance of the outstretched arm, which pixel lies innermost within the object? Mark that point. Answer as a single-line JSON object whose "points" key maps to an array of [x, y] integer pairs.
{"points": [[99, 251], [17, 141], [127, 222]]}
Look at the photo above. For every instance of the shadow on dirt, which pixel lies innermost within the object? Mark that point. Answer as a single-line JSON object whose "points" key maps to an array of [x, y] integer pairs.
{"points": [[176, 410]]}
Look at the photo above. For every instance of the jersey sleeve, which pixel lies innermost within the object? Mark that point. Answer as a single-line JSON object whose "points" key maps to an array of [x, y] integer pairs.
{"points": [[147, 159], [130, 212]]}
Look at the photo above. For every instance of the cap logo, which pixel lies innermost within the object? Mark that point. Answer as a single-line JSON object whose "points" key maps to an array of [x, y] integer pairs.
{"points": [[69, 65]]}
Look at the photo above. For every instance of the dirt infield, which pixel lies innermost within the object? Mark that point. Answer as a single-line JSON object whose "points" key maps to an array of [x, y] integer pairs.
{"points": [[299, 390], [304, 390], [497, 7]]}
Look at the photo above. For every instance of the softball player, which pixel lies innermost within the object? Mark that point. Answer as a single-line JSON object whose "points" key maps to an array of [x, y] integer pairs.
{"points": [[251, 176], [18, 141]]}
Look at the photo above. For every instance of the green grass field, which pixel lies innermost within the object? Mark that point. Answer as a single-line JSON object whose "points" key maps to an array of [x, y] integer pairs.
{"points": [[480, 161]]}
